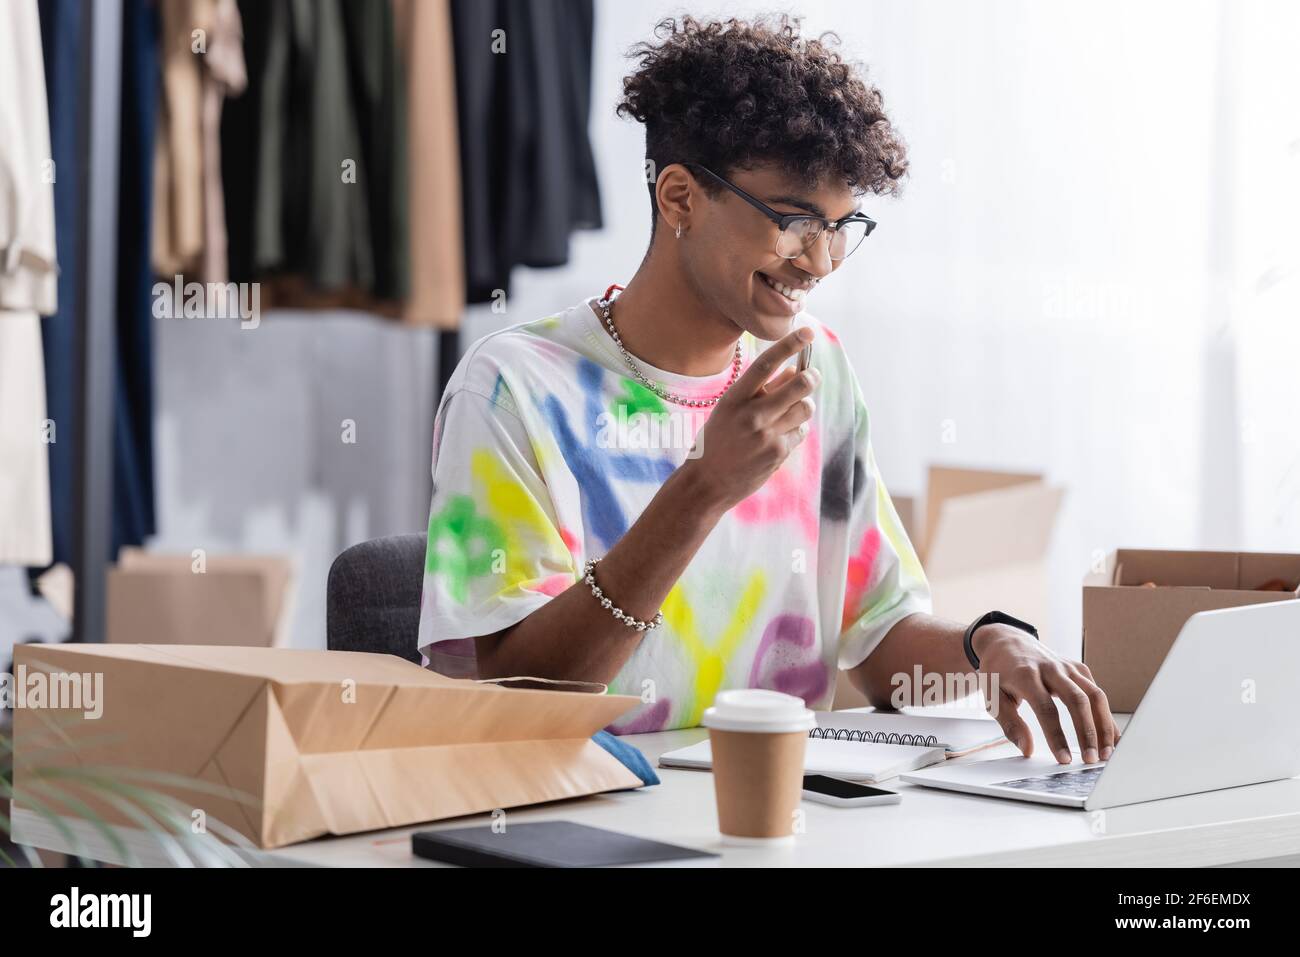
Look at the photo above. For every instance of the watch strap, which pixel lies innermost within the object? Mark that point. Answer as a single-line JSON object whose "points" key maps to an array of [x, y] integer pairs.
{"points": [[991, 618]]}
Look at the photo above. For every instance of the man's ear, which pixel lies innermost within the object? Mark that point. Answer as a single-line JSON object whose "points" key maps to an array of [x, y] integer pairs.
{"points": [[674, 192]]}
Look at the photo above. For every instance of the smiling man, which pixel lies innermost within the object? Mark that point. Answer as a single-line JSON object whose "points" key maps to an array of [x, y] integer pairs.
{"points": [[757, 546]]}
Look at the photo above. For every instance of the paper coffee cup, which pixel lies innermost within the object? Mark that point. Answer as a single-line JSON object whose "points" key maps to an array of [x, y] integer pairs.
{"points": [[758, 739]]}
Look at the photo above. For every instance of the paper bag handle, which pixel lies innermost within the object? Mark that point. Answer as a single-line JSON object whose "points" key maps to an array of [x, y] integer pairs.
{"points": [[553, 684]]}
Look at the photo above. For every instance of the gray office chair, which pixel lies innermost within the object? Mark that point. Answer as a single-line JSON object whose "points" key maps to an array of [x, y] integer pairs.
{"points": [[372, 600]]}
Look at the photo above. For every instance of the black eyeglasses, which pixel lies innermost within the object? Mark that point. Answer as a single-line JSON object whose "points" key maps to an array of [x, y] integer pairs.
{"points": [[799, 232]]}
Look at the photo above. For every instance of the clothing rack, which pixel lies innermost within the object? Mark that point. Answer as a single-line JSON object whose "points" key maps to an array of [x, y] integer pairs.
{"points": [[560, 46], [94, 310]]}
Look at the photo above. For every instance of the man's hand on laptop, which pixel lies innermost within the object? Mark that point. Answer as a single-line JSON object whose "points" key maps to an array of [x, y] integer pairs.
{"points": [[1027, 670]]}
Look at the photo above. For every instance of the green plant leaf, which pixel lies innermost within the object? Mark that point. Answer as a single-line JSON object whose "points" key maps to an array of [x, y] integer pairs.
{"points": [[57, 821], [87, 814]]}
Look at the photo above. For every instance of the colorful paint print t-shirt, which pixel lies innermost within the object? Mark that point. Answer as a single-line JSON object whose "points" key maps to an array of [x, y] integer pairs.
{"points": [[546, 448]]}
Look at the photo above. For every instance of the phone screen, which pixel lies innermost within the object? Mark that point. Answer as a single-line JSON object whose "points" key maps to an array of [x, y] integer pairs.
{"points": [[833, 787]]}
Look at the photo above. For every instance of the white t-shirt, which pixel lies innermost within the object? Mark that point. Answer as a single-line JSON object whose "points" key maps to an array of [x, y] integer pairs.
{"points": [[546, 449]]}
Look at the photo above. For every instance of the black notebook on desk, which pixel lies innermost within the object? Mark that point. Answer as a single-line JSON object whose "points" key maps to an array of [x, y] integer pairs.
{"points": [[544, 844]]}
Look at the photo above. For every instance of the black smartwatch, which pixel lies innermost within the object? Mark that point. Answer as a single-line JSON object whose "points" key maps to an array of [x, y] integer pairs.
{"points": [[992, 618]]}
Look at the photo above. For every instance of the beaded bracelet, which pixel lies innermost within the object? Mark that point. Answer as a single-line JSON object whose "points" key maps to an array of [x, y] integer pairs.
{"points": [[618, 613]]}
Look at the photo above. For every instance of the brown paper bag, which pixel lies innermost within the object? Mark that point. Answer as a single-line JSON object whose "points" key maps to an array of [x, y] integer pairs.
{"points": [[283, 745]]}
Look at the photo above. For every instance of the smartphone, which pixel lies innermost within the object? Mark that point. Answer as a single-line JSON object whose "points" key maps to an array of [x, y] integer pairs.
{"points": [[805, 358], [837, 793]]}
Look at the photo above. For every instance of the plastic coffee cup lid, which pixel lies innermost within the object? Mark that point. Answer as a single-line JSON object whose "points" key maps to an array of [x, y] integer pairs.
{"points": [[756, 709]]}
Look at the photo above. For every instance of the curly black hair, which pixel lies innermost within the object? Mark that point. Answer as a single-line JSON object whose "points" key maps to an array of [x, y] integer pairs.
{"points": [[731, 94]]}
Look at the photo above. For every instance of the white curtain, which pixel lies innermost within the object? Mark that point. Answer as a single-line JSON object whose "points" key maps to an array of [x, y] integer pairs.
{"points": [[1264, 279]]}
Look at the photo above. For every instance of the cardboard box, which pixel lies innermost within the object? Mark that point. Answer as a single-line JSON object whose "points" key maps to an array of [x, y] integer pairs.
{"points": [[283, 745], [983, 539], [236, 600], [1128, 627]]}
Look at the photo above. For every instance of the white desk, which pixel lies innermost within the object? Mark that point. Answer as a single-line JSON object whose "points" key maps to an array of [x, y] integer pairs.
{"points": [[930, 827]]}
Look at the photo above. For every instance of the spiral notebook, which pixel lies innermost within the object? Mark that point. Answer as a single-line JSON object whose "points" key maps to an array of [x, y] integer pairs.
{"points": [[957, 736], [871, 746]]}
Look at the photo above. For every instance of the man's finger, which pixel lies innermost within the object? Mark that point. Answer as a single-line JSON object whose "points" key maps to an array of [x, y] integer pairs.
{"points": [[761, 369], [796, 415], [1107, 732], [774, 406], [778, 380], [1044, 705], [1062, 684], [1013, 726]]}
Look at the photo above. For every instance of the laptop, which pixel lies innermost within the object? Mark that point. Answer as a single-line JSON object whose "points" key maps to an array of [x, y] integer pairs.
{"points": [[1222, 711]]}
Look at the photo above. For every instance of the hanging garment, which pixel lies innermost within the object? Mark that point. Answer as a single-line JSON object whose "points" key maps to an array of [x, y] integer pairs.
{"points": [[178, 147], [246, 140], [549, 134], [480, 108], [437, 256], [585, 196], [28, 286], [523, 77], [225, 77], [378, 92], [133, 478], [202, 63], [62, 43], [241, 142], [24, 433], [328, 192], [133, 486], [28, 259]]}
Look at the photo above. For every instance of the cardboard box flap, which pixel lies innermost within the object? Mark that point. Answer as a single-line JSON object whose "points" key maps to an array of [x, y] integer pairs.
{"points": [[1007, 526], [1224, 571], [1262, 568], [1170, 567], [944, 483]]}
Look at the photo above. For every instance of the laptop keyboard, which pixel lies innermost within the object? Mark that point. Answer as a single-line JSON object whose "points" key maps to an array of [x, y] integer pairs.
{"points": [[1070, 783]]}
